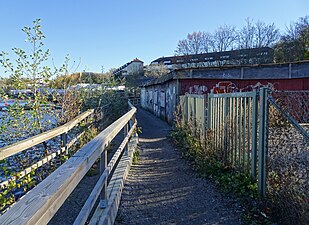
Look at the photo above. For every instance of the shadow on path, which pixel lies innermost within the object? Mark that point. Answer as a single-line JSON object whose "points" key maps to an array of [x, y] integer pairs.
{"points": [[162, 188]]}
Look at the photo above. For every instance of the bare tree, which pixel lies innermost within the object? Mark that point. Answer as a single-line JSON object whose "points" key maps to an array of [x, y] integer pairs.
{"points": [[182, 48], [195, 43], [257, 35], [246, 35], [266, 34], [298, 30], [207, 40], [224, 38]]}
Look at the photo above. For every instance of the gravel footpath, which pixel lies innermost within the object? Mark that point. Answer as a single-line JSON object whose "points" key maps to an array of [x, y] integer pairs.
{"points": [[163, 189]]}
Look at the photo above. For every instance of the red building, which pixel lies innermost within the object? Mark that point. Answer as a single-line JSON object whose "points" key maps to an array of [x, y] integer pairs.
{"points": [[161, 95]]}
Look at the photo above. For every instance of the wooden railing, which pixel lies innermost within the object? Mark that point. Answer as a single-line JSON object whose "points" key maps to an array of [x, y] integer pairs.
{"points": [[40, 204], [37, 139], [135, 101], [61, 131]]}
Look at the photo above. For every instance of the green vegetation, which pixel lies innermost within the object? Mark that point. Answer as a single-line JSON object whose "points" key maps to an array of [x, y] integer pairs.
{"points": [[135, 157], [208, 163], [294, 44], [67, 79], [29, 71]]}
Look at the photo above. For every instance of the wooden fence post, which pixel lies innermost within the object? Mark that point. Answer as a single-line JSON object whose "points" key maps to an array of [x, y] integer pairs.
{"points": [[64, 141], [125, 132], [103, 165]]}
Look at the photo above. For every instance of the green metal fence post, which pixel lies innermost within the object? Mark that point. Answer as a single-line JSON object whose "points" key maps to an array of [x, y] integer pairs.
{"points": [[236, 132], [232, 129], [220, 123], [254, 135], [215, 119], [204, 114], [244, 132], [240, 132], [194, 111], [263, 133], [248, 136]]}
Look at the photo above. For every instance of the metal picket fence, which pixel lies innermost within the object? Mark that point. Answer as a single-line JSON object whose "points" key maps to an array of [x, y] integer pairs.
{"points": [[194, 108], [262, 133], [234, 120], [238, 122]]}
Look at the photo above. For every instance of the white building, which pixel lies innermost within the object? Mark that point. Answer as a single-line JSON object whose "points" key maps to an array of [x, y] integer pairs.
{"points": [[136, 66]]}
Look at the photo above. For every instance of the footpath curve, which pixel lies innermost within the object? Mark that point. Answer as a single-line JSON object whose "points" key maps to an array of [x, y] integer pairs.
{"points": [[162, 188]]}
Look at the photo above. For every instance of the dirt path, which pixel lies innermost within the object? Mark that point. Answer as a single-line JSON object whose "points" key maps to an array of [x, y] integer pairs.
{"points": [[163, 189]]}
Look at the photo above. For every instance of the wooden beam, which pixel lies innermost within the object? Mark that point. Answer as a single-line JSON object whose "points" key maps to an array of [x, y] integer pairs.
{"points": [[37, 139], [89, 204], [40, 162]]}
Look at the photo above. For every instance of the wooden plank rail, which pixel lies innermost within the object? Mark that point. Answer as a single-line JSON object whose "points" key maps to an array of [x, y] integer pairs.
{"points": [[85, 211], [135, 100], [37, 139], [41, 162], [51, 156], [40, 204]]}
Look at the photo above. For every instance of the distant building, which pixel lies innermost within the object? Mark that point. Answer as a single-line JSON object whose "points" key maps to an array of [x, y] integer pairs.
{"points": [[136, 66], [40, 82], [252, 56]]}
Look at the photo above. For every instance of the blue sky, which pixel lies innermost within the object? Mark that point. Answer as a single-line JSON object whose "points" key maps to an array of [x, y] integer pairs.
{"points": [[111, 33]]}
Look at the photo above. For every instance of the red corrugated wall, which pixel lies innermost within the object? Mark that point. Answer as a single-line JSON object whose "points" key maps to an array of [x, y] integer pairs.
{"points": [[279, 84]]}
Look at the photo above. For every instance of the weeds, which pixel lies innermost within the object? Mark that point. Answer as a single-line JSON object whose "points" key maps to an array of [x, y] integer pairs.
{"points": [[210, 164], [135, 157], [207, 164]]}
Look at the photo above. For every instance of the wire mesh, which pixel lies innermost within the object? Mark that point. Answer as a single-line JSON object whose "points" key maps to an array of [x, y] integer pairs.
{"points": [[288, 159], [295, 103]]}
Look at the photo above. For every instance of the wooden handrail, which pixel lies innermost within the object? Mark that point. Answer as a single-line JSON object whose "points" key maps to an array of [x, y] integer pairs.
{"points": [[41, 162], [40, 204], [37, 139], [89, 204]]}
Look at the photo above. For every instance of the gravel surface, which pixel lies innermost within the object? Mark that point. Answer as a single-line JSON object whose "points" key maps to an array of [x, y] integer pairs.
{"points": [[163, 189], [69, 210]]}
